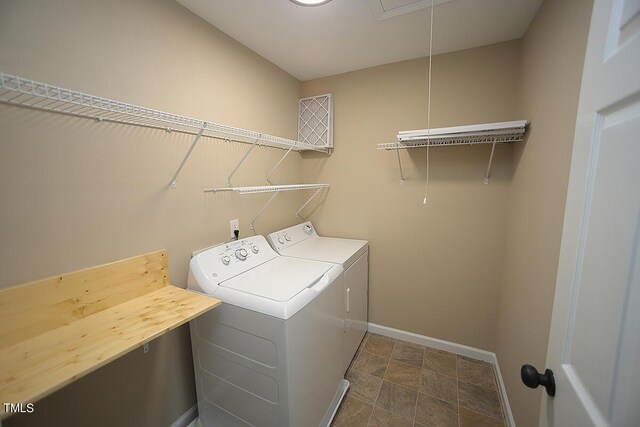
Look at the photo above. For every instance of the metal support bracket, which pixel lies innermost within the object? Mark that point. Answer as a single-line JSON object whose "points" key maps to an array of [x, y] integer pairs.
{"points": [[400, 166], [261, 211], [493, 149], [246, 154], [307, 202], [277, 165], [186, 157]]}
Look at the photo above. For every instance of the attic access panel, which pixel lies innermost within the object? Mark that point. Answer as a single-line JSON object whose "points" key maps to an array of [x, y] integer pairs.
{"points": [[385, 9]]}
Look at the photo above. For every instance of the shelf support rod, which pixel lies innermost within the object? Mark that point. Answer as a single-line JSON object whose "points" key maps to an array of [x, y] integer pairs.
{"points": [[277, 165], [246, 154], [493, 149], [400, 166], [261, 211], [186, 157], [307, 202]]}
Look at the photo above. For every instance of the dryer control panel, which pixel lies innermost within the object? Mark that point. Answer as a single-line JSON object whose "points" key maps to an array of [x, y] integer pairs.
{"points": [[290, 236]]}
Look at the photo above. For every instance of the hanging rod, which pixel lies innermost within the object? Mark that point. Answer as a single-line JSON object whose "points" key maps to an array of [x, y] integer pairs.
{"points": [[27, 93], [268, 188]]}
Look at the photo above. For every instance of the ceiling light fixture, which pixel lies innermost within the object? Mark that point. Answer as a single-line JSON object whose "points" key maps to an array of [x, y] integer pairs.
{"points": [[310, 2]]}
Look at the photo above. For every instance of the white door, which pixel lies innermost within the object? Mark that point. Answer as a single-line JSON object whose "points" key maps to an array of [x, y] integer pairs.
{"points": [[594, 345]]}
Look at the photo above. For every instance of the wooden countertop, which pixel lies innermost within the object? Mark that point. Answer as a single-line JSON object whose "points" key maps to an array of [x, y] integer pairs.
{"points": [[57, 330]]}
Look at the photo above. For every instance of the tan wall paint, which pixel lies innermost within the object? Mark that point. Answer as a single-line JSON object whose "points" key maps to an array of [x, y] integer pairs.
{"points": [[77, 193], [552, 60], [434, 270]]}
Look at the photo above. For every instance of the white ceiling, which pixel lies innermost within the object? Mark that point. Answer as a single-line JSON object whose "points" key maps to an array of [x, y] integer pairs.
{"points": [[348, 35]]}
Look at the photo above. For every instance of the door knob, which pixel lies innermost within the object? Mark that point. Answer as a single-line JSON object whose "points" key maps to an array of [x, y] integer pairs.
{"points": [[532, 379]]}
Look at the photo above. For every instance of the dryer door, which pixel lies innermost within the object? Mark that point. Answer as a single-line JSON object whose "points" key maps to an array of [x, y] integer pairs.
{"points": [[356, 306]]}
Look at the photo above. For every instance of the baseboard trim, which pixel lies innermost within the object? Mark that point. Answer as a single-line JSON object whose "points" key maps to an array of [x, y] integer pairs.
{"points": [[188, 418], [452, 347]]}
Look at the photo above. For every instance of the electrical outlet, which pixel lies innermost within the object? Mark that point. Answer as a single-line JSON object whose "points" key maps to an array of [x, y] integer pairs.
{"points": [[145, 348], [234, 225]]}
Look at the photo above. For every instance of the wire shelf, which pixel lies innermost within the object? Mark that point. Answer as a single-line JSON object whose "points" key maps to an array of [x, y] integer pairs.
{"points": [[27, 93], [490, 133], [269, 188]]}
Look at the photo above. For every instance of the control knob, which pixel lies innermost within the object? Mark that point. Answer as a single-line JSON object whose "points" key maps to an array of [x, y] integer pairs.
{"points": [[241, 254], [307, 229], [226, 260], [287, 238], [255, 249], [281, 240]]}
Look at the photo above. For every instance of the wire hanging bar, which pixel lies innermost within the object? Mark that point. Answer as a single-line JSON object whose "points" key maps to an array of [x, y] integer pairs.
{"points": [[267, 188], [27, 93]]}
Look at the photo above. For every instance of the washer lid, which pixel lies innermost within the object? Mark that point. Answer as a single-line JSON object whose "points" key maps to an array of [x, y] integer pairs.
{"points": [[328, 249], [279, 279]]}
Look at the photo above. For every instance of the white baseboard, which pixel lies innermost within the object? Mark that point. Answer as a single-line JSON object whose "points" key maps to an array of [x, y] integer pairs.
{"points": [[463, 350], [188, 419]]}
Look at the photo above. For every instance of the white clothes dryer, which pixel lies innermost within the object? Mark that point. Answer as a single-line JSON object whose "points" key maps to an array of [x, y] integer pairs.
{"points": [[302, 241], [266, 356]]}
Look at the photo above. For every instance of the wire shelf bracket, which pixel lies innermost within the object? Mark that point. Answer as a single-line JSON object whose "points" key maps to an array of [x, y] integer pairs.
{"points": [[252, 223], [246, 154], [276, 166], [318, 191], [186, 157]]}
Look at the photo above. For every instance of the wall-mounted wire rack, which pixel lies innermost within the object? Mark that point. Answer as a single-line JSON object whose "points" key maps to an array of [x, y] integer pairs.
{"points": [[27, 93], [268, 188], [275, 189], [486, 133]]}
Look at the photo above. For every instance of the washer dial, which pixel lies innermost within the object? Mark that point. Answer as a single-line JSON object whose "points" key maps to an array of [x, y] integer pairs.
{"points": [[241, 254]]}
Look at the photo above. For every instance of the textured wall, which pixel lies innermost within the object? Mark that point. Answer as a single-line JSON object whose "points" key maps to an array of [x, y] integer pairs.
{"points": [[435, 269], [77, 193], [552, 60]]}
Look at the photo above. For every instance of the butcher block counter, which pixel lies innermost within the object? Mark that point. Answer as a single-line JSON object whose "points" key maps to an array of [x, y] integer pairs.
{"points": [[56, 330]]}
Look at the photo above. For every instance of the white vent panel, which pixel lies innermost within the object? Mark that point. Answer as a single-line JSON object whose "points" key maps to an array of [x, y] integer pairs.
{"points": [[315, 121]]}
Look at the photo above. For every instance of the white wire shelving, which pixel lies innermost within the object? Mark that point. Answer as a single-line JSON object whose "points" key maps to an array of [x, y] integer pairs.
{"points": [[18, 91], [275, 189], [486, 133], [268, 188]]}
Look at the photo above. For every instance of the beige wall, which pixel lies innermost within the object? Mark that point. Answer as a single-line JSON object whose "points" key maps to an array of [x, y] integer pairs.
{"points": [[476, 266], [77, 193], [434, 270], [552, 59]]}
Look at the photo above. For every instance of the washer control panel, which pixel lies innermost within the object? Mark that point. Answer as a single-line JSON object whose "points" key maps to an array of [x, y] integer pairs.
{"points": [[222, 262], [290, 236]]}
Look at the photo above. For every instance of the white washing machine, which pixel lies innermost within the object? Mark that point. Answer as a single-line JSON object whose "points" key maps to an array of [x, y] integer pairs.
{"points": [[302, 241], [267, 355]]}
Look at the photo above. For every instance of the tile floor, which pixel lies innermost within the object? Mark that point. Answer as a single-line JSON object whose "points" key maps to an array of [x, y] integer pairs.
{"points": [[400, 384]]}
